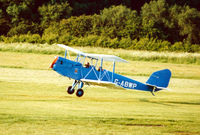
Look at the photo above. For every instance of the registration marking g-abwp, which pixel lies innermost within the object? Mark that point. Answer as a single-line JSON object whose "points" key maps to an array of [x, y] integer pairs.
{"points": [[125, 84]]}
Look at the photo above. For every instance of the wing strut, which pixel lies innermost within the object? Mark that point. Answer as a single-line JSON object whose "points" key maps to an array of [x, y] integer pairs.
{"points": [[101, 69], [113, 71]]}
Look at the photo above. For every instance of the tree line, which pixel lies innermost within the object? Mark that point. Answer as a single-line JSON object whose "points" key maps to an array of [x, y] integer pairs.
{"points": [[145, 25]]}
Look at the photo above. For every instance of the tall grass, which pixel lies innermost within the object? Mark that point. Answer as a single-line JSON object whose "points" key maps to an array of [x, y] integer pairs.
{"points": [[165, 57], [31, 48]]}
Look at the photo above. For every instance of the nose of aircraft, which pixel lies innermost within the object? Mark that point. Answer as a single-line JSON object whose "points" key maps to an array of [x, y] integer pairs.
{"points": [[53, 62]]}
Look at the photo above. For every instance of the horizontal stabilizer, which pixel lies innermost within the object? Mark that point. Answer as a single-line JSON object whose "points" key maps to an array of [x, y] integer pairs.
{"points": [[159, 79]]}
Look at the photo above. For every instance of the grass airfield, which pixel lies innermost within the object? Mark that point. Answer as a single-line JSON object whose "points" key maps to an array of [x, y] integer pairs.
{"points": [[33, 101]]}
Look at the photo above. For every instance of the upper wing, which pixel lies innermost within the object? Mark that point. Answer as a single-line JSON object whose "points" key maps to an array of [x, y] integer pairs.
{"points": [[106, 57], [95, 56], [71, 49]]}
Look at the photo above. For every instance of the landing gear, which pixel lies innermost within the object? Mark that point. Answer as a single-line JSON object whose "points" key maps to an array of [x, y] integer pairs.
{"points": [[152, 92], [79, 93], [70, 90]]}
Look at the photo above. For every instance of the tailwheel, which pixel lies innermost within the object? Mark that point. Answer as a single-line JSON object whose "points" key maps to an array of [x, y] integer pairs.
{"points": [[70, 90], [79, 93]]}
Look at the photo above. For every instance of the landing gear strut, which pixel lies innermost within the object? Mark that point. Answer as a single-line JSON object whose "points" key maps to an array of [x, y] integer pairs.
{"points": [[80, 92], [152, 92]]}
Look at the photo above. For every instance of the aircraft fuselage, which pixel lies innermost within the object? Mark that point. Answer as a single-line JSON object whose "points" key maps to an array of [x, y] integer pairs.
{"points": [[77, 71]]}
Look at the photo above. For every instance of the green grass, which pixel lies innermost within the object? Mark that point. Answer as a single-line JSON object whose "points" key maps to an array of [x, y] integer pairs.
{"points": [[164, 57], [33, 101]]}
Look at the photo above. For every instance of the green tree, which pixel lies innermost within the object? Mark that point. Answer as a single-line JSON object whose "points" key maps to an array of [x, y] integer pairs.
{"points": [[191, 3], [4, 24], [155, 19], [18, 15], [54, 12], [19, 11], [188, 21], [118, 21], [75, 26]]}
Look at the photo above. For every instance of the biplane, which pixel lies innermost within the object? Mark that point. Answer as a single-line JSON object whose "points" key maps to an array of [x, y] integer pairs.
{"points": [[88, 73]]}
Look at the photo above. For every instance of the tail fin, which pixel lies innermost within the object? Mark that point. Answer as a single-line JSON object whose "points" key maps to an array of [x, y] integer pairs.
{"points": [[159, 79]]}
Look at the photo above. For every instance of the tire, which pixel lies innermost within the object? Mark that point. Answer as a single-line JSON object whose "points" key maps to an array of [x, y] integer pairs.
{"points": [[69, 91], [79, 93]]}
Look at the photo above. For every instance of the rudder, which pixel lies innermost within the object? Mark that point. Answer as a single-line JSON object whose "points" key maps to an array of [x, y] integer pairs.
{"points": [[160, 79]]}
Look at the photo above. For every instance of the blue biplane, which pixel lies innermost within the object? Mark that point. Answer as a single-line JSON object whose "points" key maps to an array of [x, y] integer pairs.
{"points": [[87, 73]]}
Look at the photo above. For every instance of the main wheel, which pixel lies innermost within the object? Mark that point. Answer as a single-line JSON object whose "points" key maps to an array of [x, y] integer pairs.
{"points": [[70, 90], [79, 93]]}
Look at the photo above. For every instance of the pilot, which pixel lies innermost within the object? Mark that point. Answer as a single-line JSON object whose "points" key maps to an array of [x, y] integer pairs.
{"points": [[87, 65], [100, 68]]}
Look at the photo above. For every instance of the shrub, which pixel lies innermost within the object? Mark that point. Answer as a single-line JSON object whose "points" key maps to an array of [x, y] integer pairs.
{"points": [[195, 48], [125, 43], [29, 38], [23, 28], [178, 46], [1, 39], [91, 40], [65, 39], [84, 41], [113, 43], [76, 26], [102, 42], [141, 44], [34, 38]]}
